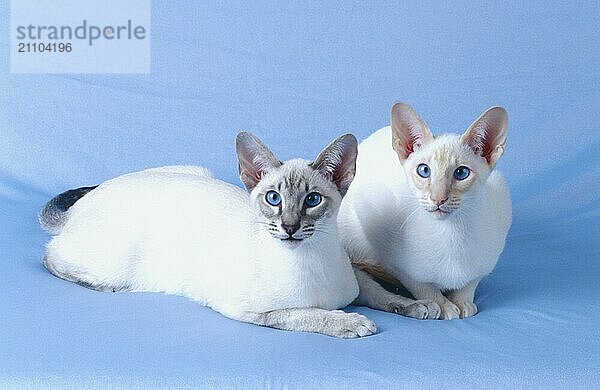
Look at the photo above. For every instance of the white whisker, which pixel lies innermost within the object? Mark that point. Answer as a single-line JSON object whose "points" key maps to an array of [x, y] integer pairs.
{"points": [[407, 218]]}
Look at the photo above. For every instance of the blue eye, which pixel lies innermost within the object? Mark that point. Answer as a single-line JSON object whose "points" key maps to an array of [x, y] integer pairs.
{"points": [[273, 198], [312, 199], [423, 170], [461, 173]]}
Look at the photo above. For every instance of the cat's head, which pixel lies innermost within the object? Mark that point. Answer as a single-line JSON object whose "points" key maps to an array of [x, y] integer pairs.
{"points": [[448, 170], [296, 199]]}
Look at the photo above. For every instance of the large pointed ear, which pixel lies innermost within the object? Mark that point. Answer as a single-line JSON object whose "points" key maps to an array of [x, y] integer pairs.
{"points": [[409, 131], [255, 159], [337, 161], [487, 135]]}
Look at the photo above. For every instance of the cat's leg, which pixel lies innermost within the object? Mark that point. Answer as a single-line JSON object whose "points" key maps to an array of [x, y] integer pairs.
{"points": [[463, 298], [335, 323], [373, 295], [419, 290]]}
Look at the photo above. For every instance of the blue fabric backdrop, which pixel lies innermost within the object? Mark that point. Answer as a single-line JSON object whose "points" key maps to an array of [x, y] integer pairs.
{"points": [[297, 75]]}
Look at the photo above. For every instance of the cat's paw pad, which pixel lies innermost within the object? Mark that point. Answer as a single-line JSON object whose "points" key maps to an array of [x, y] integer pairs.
{"points": [[422, 309], [467, 309], [449, 311], [350, 325]]}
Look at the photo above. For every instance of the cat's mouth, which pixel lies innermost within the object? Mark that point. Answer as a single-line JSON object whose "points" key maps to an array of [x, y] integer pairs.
{"points": [[438, 212], [287, 239], [292, 239]]}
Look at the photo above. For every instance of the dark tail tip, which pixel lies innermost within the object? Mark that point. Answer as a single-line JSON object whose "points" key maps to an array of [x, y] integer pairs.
{"points": [[54, 214]]}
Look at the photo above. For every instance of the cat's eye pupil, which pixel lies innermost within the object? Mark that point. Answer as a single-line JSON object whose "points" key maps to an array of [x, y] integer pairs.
{"points": [[312, 199], [461, 173], [273, 198], [423, 170]]}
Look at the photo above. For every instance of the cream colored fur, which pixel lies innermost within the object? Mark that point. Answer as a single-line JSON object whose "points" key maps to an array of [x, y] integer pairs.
{"points": [[391, 215]]}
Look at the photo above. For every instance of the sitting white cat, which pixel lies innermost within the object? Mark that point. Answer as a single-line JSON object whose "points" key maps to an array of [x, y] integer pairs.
{"points": [[429, 211], [270, 256]]}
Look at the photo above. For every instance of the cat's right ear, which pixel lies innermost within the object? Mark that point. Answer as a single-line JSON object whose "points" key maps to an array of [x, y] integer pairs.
{"points": [[255, 159], [409, 131]]}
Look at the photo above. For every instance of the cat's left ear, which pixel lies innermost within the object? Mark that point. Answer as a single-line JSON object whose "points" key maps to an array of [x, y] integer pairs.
{"points": [[487, 135], [255, 159], [337, 161]]}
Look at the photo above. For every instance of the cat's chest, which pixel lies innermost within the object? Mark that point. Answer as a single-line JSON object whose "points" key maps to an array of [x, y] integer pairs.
{"points": [[448, 255]]}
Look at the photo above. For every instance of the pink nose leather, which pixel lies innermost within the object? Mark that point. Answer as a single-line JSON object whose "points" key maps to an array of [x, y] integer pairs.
{"points": [[439, 202]]}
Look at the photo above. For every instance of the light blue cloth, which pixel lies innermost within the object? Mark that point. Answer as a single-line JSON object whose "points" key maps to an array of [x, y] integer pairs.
{"points": [[297, 75]]}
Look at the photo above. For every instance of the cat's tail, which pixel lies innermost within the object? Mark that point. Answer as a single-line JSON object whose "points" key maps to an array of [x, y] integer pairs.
{"points": [[55, 213]]}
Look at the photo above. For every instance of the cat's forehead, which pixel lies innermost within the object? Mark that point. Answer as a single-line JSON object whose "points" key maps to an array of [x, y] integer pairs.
{"points": [[447, 149], [297, 175]]}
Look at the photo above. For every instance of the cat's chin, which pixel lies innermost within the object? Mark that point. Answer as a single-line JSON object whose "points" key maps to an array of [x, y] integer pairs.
{"points": [[439, 213], [291, 243]]}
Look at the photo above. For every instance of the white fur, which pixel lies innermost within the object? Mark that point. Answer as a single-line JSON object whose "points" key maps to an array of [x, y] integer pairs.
{"points": [[384, 217], [180, 231]]}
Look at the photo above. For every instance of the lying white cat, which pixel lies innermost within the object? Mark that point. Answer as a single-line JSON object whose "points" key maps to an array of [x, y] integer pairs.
{"points": [[272, 257], [430, 211]]}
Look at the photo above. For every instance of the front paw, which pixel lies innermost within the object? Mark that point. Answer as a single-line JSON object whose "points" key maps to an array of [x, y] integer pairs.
{"points": [[467, 309], [349, 325], [424, 309], [449, 311]]}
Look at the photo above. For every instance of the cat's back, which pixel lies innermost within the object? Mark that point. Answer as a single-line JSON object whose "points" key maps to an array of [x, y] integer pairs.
{"points": [[371, 204], [178, 175], [379, 180], [498, 195], [377, 161], [157, 202], [168, 187]]}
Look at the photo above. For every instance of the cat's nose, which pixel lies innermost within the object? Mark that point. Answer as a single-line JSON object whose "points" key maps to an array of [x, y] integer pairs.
{"points": [[290, 229], [439, 201]]}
